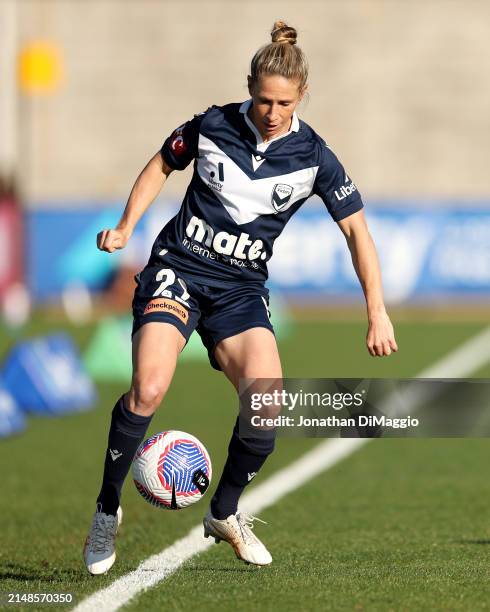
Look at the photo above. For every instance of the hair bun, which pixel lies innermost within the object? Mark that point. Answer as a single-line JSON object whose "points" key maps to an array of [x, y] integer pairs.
{"points": [[282, 33]]}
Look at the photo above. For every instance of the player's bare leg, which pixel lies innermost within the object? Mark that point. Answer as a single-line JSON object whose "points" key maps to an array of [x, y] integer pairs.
{"points": [[252, 354], [156, 347]]}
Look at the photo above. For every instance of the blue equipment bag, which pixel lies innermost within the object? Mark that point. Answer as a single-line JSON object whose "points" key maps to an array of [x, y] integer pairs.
{"points": [[46, 376], [12, 419]]}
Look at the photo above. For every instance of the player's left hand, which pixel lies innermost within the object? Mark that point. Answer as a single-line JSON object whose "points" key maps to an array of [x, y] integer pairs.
{"points": [[380, 339]]}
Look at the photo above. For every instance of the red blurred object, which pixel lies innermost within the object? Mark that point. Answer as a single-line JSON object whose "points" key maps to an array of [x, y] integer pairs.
{"points": [[11, 243]]}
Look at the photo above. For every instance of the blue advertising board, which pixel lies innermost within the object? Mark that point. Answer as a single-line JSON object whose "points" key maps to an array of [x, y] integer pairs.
{"points": [[425, 252]]}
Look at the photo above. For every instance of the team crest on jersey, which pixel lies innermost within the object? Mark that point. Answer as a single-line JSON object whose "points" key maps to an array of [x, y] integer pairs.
{"points": [[281, 194]]}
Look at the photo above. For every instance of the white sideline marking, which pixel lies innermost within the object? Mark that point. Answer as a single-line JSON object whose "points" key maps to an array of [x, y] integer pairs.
{"points": [[464, 360]]}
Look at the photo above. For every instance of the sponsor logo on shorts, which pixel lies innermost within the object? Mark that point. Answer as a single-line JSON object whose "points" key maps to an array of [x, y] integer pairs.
{"points": [[170, 306]]}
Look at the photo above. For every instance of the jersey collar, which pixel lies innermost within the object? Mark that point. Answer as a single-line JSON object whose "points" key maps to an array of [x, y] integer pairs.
{"points": [[260, 143]]}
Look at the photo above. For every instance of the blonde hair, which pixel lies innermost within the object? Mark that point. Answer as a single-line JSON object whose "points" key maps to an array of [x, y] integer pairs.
{"points": [[281, 56]]}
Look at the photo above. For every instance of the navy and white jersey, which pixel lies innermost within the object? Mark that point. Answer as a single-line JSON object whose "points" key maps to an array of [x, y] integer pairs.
{"points": [[243, 192]]}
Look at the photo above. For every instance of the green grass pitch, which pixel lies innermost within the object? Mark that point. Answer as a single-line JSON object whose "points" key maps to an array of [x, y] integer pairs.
{"points": [[399, 525]]}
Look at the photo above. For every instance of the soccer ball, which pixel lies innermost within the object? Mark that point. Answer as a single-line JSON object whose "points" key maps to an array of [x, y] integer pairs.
{"points": [[172, 470]]}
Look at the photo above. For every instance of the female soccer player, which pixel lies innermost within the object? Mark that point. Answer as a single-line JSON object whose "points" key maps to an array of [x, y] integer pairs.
{"points": [[255, 164]]}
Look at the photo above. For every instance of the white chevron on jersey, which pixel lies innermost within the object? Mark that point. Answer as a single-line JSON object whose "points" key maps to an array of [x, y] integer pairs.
{"points": [[257, 161], [246, 199]]}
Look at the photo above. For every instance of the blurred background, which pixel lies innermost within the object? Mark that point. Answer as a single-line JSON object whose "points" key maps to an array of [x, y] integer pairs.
{"points": [[88, 93]]}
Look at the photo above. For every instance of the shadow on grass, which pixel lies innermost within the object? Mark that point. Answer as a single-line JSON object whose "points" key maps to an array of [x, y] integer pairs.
{"points": [[16, 571], [214, 568], [481, 541]]}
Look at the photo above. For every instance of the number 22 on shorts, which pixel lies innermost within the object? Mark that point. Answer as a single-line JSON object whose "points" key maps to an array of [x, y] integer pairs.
{"points": [[166, 277]]}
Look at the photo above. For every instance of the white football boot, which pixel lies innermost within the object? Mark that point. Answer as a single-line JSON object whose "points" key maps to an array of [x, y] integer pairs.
{"points": [[237, 531], [99, 551]]}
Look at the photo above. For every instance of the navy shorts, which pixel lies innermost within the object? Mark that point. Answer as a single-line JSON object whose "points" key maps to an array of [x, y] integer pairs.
{"points": [[216, 313]]}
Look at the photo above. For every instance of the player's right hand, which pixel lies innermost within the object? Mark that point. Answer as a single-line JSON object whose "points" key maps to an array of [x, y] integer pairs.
{"points": [[110, 240]]}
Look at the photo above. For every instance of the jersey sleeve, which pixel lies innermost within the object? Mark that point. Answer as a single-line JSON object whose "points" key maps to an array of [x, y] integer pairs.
{"points": [[335, 188], [181, 147]]}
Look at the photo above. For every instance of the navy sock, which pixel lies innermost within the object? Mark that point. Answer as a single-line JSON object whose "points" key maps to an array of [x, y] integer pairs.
{"points": [[245, 458], [125, 435]]}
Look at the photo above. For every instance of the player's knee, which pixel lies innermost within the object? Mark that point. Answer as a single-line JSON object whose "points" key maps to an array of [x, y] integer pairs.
{"points": [[146, 395], [263, 398]]}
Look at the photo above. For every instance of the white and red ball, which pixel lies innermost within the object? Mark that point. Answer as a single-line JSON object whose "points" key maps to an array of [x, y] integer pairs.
{"points": [[172, 470]]}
